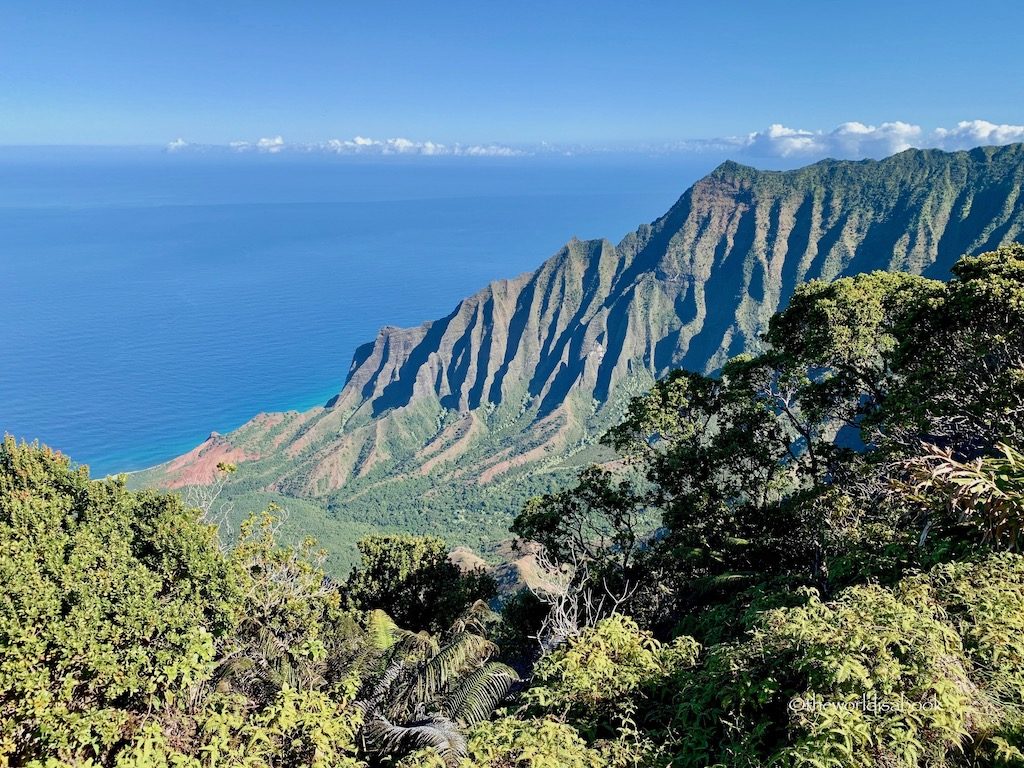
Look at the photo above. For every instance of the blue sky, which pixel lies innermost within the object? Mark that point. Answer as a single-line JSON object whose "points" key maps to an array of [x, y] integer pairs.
{"points": [[507, 73]]}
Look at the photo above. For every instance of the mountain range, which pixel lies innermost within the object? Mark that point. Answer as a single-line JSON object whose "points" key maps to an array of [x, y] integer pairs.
{"points": [[449, 426]]}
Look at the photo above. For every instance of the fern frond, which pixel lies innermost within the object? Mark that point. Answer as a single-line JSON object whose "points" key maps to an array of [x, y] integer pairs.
{"points": [[714, 583], [477, 696], [383, 634], [381, 630], [465, 652], [438, 733]]}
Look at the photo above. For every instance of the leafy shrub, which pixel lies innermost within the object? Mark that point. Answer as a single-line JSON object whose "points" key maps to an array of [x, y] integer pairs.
{"points": [[907, 676], [513, 743], [291, 630], [130, 640], [111, 605], [590, 680], [298, 728], [987, 493], [412, 580]]}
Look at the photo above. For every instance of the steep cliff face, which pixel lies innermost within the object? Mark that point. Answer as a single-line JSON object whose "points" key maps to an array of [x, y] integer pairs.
{"points": [[530, 370]]}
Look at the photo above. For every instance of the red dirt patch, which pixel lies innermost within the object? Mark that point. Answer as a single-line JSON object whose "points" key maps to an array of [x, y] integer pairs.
{"points": [[199, 466]]}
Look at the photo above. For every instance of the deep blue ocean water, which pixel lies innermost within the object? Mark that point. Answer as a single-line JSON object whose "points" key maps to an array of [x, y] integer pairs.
{"points": [[148, 299]]}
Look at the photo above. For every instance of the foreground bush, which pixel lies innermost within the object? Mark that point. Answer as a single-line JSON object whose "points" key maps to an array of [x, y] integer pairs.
{"points": [[595, 680], [297, 728], [111, 606], [929, 673], [514, 743], [130, 638]]}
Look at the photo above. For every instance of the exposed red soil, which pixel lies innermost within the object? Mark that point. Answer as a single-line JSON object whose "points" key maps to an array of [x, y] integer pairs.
{"points": [[199, 466]]}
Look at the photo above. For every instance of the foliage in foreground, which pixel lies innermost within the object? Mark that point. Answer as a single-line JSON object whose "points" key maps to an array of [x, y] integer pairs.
{"points": [[928, 672], [112, 605], [131, 639]]}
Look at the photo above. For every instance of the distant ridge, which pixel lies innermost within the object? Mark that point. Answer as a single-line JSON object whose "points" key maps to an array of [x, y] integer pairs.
{"points": [[448, 426]]}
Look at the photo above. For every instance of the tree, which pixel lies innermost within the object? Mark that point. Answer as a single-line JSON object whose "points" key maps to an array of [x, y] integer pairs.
{"points": [[960, 361], [411, 579], [591, 536], [603, 519], [839, 341]]}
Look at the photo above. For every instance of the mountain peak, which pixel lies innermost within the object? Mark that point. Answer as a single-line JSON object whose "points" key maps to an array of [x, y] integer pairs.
{"points": [[732, 169]]}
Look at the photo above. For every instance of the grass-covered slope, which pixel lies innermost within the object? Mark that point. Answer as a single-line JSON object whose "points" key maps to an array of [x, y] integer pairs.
{"points": [[450, 426]]}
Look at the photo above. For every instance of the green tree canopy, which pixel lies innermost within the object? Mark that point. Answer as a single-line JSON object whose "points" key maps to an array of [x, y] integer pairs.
{"points": [[412, 580]]}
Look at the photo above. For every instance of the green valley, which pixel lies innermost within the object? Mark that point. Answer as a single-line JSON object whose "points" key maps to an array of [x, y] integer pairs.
{"points": [[451, 426]]}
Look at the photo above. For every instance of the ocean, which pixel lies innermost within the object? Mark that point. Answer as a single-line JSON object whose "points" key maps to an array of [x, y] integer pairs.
{"points": [[150, 298]]}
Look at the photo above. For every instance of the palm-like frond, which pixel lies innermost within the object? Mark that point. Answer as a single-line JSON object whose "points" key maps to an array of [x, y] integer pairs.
{"points": [[475, 619], [387, 739], [418, 646], [477, 695], [463, 653], [382, 686], [418, 690]]}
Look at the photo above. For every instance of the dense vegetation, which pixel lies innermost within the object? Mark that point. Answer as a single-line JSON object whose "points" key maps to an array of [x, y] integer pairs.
{"points": [[811, 558]]}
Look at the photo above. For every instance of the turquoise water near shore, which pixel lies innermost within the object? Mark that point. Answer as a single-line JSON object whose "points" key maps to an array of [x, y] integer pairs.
{"points": [[148, 299]]}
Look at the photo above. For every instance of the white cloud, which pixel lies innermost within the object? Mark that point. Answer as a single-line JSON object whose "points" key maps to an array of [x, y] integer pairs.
{"points": [[857, 140], [361, 145], [177, 145], [779, 140], [852, 139], [974, 133], [273, 145], [268, 145], [490, 150], [401, 146]]}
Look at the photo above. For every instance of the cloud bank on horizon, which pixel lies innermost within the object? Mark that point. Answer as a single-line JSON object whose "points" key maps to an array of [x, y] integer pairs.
{"points": [[360, 145], [851, 140]]}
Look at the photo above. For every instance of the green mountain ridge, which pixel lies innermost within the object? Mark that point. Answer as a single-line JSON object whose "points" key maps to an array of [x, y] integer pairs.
{"points": [[449, 426]]}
